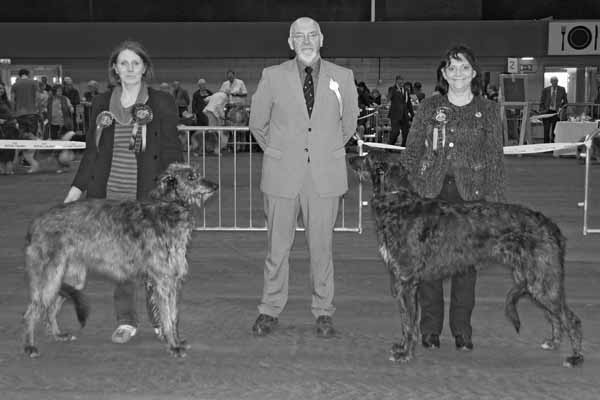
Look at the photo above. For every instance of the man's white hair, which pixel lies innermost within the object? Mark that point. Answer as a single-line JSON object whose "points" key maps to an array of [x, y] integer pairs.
{"points": [[304, 20]]}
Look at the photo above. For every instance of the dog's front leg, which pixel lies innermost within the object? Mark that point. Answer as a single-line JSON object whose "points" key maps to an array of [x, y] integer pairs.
{"points": [[167, 305], [406, 299]]}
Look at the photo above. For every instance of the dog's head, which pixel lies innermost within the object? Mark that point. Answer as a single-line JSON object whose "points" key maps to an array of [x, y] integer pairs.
{"points": [[184, 184], [383, 169]]}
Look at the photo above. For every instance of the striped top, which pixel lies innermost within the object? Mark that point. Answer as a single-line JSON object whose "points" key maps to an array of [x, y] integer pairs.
{"points": [[122, 180]]}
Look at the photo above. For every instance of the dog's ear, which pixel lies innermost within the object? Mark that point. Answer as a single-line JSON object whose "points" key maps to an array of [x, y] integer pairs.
{"points": [[166, 184]]}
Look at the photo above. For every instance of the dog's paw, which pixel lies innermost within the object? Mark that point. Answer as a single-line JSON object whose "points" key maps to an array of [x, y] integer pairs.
{"points": [[64, 337], [32, 351], [400, 354], [178, 351], [574, 361]]}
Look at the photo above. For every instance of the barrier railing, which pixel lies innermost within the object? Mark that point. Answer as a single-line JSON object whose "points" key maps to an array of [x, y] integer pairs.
{"points": [[239, 199], [524, 149], [586, 193]]}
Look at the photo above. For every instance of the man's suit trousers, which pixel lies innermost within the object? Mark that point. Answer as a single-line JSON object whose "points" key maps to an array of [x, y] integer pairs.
{"points": [[318, 215]]}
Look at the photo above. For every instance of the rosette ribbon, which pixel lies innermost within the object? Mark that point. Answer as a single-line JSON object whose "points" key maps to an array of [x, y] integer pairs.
{"points": [[142, 116], [335, 87], [103, 120]]}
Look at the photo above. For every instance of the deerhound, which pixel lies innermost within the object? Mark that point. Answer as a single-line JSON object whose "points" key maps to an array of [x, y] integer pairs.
{"points": [[121, 240], [423, 239]]}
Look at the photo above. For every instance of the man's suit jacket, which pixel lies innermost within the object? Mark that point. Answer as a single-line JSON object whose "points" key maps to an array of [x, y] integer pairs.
{"points": [[401, 108], [546, 100], [292, 142], [162, 147]]}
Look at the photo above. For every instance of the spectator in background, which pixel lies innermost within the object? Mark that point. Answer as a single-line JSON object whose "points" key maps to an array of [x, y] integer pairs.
{"points": [[401, 110], [8, 130], [44, 84], [364, 95], [88, 96], [418, 91], [553, 98], [43, 98], [59, 114], [73, 95], [215, 114], [26, 94], [235, 88], [182, 98], [164, 87], [199, 101], [376, 97], [491, 92]]}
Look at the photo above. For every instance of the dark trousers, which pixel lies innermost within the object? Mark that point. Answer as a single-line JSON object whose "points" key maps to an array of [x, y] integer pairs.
{"points": [[124, 298], [56, 132], [397, 126], [462, 294], [549, 124]]}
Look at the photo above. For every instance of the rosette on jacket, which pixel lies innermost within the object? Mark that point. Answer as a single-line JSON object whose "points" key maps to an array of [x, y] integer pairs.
{"points": [[103, 120], [142, 115]]}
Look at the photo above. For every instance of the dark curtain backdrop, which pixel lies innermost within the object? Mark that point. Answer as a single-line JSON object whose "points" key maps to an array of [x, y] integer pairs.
{"points": [[287, 10]]}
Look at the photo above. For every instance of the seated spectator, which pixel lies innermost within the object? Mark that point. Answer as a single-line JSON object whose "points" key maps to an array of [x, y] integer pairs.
{"points": [[364, 96], [199, 102], [376, 97]]}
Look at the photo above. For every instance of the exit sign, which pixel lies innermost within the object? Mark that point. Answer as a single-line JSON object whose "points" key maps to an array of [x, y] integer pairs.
{"points": [[5, 61]]}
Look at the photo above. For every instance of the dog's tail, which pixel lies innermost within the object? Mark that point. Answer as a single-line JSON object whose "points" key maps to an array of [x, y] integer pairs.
{"points": [[510, 307], [82, 306]]}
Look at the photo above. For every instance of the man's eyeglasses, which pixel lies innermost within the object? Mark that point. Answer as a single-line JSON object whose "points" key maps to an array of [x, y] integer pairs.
{"points": [[300, 37]]}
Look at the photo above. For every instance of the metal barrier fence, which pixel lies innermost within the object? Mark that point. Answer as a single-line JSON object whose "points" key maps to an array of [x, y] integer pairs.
{"points": [[586, 193], [239, 200]]}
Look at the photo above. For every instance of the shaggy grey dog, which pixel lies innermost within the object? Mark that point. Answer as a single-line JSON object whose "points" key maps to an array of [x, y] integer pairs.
{"points": [[119, 239], [424, 239]]}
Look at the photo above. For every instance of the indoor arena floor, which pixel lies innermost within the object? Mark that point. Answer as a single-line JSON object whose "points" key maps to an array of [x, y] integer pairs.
{"points": [[224, 286]]}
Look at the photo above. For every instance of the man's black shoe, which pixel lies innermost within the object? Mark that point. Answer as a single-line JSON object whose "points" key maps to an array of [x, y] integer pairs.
{"points": [[431, 341], [264, 325], [463, 343], [324, 327]]}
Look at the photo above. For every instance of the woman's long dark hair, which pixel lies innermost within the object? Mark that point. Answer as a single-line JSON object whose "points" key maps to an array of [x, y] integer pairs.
{"points": [[455, 52]]}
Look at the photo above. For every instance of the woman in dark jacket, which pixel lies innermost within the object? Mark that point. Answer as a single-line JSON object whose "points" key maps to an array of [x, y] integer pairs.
{"points": [[454, 153], [131, 141]]}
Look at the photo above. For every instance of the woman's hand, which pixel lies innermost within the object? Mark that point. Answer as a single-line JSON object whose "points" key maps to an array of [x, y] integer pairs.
{"points": [[73, 195]]}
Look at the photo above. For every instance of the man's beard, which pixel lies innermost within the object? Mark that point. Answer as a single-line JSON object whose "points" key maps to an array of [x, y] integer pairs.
{"points": [[308, 59]]}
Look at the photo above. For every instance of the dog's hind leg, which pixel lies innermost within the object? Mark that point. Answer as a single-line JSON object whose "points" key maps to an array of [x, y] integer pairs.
{"points": [[52, 323], [408, 308], [554, 302], [553, 342]]}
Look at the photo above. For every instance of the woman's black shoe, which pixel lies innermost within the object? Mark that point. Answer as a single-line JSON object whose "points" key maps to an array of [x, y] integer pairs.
{"points": [[431, 341], [463, 343]]}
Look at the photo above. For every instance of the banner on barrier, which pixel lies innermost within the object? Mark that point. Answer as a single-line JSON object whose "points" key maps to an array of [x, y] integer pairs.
{"points": [[41, 145]]}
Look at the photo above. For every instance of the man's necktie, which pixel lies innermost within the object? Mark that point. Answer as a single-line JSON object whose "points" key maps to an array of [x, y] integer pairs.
{"points": [[553, 105], [309, 90]]}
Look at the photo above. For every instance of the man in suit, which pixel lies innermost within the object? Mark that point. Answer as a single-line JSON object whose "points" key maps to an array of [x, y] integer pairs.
{"points": [[553, 98], [303, 112], [401, 111]]}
